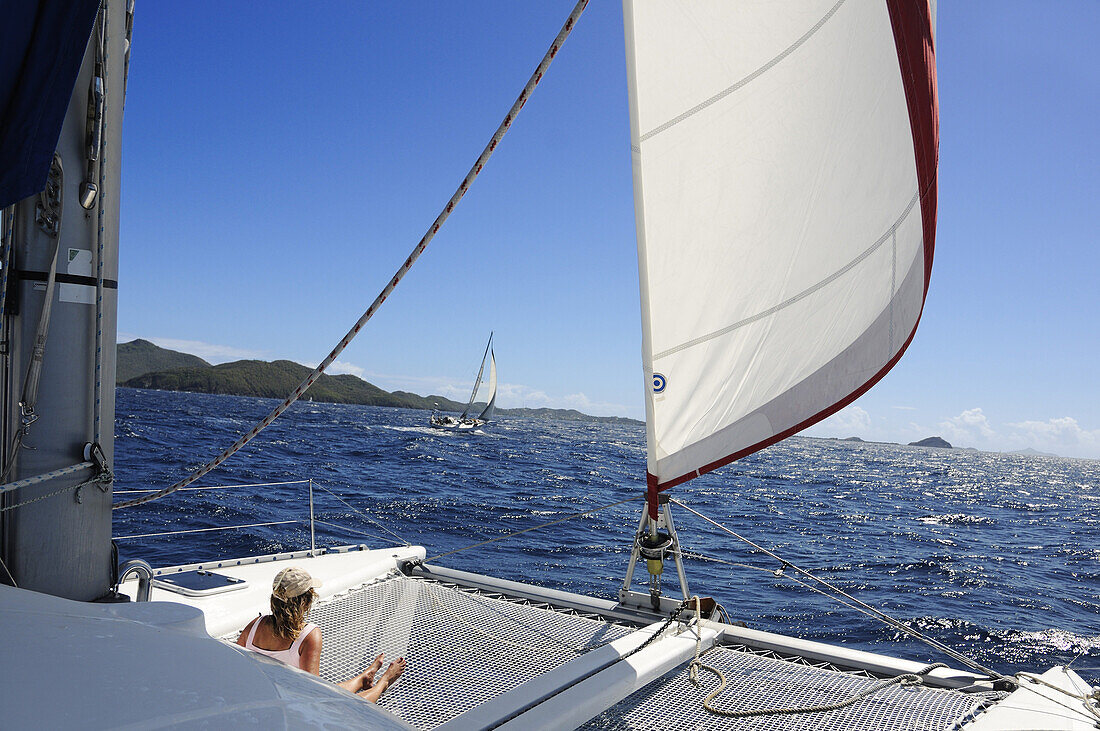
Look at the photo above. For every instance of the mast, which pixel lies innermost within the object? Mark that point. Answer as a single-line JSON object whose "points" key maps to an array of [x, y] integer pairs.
{"points": [[60, 353]]}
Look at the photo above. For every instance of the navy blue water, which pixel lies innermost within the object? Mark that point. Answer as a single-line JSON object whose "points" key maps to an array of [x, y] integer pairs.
{"points": [[996, 555]]}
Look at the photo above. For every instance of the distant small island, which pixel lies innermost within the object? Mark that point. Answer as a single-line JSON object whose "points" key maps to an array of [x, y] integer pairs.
{"points": [[142, 364], [941, 443], [1030, 452], [938, 442]]}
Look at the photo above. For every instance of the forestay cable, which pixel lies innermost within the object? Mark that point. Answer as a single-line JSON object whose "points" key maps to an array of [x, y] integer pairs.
{"points": [[536, 77]]}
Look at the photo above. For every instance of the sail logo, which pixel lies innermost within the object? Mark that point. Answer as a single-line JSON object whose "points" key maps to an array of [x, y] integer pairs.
{"points": [[659, 383]]}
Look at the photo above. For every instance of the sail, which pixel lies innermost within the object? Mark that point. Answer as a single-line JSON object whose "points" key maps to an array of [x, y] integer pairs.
{"points": [[477, 381], [491, 406], [784, 159], [41, 49]]}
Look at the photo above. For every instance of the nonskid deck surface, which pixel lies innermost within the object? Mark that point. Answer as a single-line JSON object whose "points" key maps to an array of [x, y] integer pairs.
{"points": [[760, 680], [465, 647]]}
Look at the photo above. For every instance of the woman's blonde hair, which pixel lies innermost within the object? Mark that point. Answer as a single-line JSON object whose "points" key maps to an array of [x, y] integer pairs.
{"points": [[288, 616]]}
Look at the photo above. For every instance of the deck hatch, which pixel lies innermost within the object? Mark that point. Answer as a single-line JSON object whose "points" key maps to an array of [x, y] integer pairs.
{"points": [[198, 583]]}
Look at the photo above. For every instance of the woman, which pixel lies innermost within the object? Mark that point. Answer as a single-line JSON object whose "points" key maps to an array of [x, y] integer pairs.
{"points": [[286, 636]]}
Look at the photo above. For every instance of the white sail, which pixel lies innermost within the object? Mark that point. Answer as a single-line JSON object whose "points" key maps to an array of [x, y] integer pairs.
{"points": [[491, 406], [784, 172], [477, 381]]}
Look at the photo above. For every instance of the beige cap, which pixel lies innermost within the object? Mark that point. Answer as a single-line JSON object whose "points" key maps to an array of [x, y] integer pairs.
{"points": [[292, 582]]}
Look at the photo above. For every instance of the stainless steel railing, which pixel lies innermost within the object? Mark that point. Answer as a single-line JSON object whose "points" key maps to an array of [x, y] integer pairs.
{"points": [[313, 521]]}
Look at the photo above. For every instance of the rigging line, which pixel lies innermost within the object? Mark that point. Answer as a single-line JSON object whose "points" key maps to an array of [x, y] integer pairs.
{"points": [[28, 481], [905, 680], [97, 391], [7, 223], [350, 530], [783, 575], [213, 487], [6, 571], [1078, 696], [362, 515], [204, 530], [536, 77], [535, 527], [97, 479], [29, 395], [881, 616]]}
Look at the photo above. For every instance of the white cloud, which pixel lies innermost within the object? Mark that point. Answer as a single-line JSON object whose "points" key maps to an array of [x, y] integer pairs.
{"points": [[207, 351], [1061, 435], [338, 367], [968, 427], [848, 422], [582, 403]]}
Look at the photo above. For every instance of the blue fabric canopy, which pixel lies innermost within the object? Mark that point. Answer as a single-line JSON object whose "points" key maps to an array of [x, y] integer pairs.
{"points": [[41, 47]]}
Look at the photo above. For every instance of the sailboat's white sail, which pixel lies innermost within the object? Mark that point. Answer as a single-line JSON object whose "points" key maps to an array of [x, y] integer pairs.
{"points": [[784, 170], [491, 406], [477, 381]]}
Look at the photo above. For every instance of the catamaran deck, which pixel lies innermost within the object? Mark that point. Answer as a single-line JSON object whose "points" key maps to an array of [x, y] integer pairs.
{"points": [[465, 647]]}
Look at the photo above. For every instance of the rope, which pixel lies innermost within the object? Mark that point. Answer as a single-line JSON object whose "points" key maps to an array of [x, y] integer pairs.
{"points": [[29, 397], [780, 574], [8, 572], [97, 407], [98, 479], [867, 608], [536, 77], [214, 487], [28, 481], [535, 527], [1085, 698], [7, 222], [1094, 696], [906, 679]]}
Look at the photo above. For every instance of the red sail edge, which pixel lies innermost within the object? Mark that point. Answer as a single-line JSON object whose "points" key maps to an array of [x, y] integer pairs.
{"points": [[911, 21], [912, 24]]}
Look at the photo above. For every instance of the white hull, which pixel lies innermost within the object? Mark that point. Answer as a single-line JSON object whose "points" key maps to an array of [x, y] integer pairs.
{"points": [[457, 425]]}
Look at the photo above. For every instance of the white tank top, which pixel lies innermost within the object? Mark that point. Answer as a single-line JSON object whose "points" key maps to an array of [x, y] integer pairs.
{"points": [[289, 656]]}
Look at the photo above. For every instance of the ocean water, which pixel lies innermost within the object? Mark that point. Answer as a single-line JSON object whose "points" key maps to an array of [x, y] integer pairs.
{"points": [[995, 555]]}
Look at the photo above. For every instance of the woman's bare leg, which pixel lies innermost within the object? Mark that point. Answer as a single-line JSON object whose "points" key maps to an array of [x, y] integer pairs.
{"points": [[363, 680], [393, 672]]}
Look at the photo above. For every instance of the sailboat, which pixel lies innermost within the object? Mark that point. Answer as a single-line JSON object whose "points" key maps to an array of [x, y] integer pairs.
{"points": [[465, 421], [784, 162]]}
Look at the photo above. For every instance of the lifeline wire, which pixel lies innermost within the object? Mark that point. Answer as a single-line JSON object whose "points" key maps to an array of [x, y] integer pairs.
{"points": [[534, 527], [363, 515], [881, 616], [536, 77]]}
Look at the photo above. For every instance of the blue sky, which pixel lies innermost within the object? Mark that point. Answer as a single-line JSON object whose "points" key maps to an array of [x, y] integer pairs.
{"points": [[280, 161]]}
